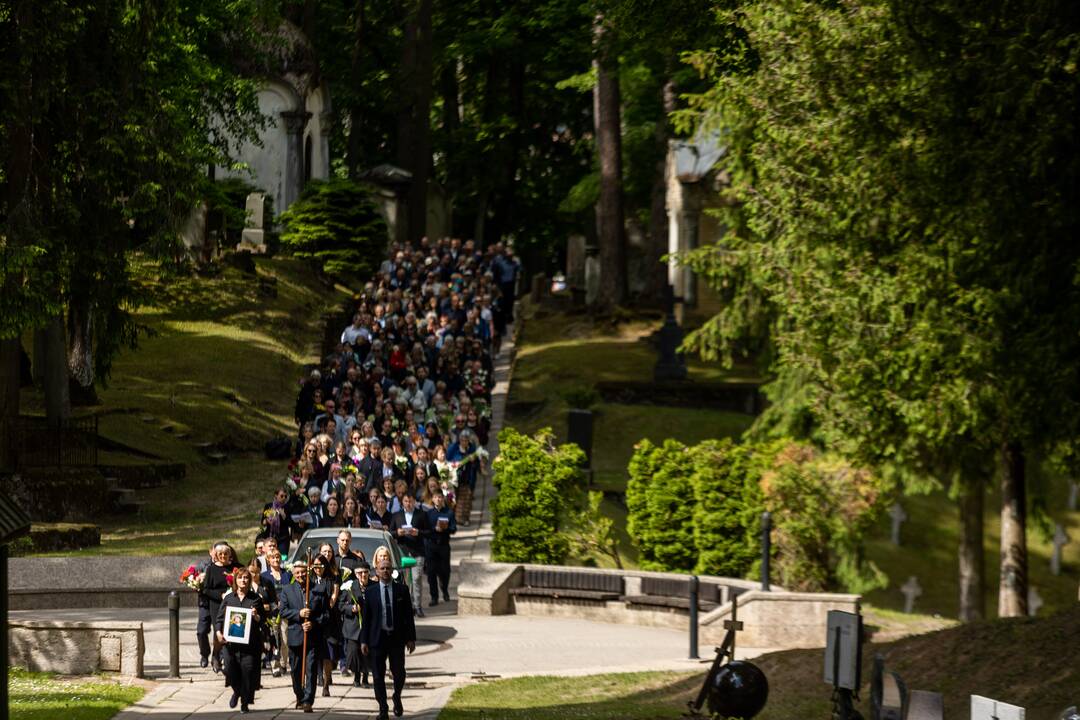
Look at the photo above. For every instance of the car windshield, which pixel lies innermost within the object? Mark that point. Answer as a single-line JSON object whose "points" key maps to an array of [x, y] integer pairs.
{"points": [[363, 545]]}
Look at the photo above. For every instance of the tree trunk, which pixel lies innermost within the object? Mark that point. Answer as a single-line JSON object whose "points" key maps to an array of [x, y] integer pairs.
{"points": [[656, 271], [57, 399], [1012, 593], [353, 154], [609, 214], [972, 559], [9, 398], [414, 132]]}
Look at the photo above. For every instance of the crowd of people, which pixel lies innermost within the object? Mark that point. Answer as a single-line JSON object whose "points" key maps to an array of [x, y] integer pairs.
{"points": [[391, 435]]}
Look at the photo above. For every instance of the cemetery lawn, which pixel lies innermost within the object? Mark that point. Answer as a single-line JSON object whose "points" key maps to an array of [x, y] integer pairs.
{"points": [[617, 696], [218, 363], [44, 696], [560, 355]]}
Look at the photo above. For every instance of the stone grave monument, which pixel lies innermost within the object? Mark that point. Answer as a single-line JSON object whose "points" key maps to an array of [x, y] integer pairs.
{"points": [[670, 365], [925, 705], [1074, 491], [253, 237], [899, 517], [983, 708], [912, 590], [575, 269], [1061, 539], [1035, 601]]}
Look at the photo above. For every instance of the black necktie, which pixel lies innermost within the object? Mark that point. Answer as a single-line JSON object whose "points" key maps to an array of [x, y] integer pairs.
{"points": [[389, 607]]}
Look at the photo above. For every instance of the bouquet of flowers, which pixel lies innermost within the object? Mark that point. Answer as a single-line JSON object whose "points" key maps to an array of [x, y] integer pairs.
{"points": [[193, 578], [274, 622]]}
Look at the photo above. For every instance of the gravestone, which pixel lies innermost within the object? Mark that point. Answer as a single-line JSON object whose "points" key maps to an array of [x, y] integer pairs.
{"points": [[898, 518], [1061, 539], [1035, 601], [670, 365], [924, 705], [253, 236], [592, 275], [575, 261], [912, 591], [109, 653], [983, 708], [1074, 491], [888, 694]]}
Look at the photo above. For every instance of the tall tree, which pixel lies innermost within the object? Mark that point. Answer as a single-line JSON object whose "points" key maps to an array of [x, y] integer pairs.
{"points": [[610, 221], [908, 205], [414, 129]]}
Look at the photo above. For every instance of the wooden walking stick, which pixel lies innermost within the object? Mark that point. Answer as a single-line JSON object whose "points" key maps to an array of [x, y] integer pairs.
{"points": [[307, 602]]}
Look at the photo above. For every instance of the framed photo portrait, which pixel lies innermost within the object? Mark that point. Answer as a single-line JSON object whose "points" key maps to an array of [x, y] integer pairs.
{"points": [[238, 625]]}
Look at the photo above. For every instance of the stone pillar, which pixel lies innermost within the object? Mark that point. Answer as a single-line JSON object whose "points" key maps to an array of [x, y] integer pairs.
{"points": [[295, 122], [326, 124], [691, 217]]}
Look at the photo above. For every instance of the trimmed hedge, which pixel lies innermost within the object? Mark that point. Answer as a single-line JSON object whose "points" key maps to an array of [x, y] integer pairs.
{"points": [[698, 509], [535, 480]]}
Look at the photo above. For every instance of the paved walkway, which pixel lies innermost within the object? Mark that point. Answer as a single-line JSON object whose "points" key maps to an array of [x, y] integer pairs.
{"points": [[451, 651]]}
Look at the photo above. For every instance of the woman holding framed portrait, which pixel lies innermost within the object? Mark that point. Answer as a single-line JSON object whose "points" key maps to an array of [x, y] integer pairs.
{"points": [[238, 626]]}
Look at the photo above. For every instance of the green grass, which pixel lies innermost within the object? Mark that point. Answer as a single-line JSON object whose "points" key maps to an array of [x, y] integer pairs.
{"points": [[43, 696], [929, 541], [220, 364], [621, 696]]}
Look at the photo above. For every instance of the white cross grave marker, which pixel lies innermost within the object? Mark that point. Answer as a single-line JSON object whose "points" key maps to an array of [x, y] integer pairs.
{"points": [[1034, 601], [898, 518], [911, 591], [1061, 539]]}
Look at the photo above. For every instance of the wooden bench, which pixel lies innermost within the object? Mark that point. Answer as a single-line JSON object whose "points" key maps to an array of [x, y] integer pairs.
{"points": [[570, 585], [675, 594]]}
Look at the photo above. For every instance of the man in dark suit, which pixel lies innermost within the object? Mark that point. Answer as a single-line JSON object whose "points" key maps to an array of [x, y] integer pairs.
{"points": [[310, 618], [411, 528], [387, 631]]}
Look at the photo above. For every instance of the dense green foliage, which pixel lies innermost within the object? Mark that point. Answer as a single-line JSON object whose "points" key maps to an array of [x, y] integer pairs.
{"points": [[822, 509], [698, 509], [659, 498], [109, 115], [337, 225], [727, 507], [535, 480], [904, 178]]}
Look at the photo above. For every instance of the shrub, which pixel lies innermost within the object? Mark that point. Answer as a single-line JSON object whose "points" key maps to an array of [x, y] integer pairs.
{"points": [[727, 507], [660, 500], [822, 508], [337, 224], [535, 480]]}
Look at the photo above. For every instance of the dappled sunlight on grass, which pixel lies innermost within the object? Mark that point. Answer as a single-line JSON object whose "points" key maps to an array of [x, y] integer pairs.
{"points": [[619, 696]]}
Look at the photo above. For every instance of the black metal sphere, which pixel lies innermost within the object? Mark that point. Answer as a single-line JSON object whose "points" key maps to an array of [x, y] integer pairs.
{"points": [[739, 690]]}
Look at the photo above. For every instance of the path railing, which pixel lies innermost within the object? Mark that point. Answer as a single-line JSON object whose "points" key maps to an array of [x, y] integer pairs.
{"points": [[34, 442]]}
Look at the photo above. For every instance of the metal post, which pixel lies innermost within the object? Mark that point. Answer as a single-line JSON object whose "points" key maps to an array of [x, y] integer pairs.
{"points": [[693, 617], [174, 634], [766, 548], [4, 659]]}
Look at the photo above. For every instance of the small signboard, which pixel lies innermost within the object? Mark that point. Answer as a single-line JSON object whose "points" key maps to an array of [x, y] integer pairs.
{"points": [[843, 650], [986, 709]]}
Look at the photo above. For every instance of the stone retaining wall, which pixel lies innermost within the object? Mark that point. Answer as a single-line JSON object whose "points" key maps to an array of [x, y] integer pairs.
{"points": [[53, 583], [775, 620], [78, 648]]}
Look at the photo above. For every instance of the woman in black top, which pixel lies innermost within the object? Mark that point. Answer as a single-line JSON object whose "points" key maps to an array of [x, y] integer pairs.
{"points": [[326, 572], [242, 659], [214, 588]]}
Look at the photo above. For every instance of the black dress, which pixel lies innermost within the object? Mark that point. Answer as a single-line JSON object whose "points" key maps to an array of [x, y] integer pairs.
{"points": [[242, 659]]}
